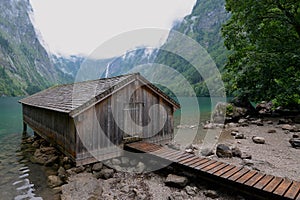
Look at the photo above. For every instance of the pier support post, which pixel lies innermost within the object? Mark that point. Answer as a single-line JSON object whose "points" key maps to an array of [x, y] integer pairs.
{"points": [[24, 128]]}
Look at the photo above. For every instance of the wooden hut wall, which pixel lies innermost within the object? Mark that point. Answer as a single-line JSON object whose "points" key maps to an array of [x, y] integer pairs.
{"points": [[52, 126], [100, 136], [166, 133]]}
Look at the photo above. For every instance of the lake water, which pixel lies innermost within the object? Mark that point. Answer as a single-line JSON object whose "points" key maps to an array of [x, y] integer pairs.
{"points": [[22, 180]]}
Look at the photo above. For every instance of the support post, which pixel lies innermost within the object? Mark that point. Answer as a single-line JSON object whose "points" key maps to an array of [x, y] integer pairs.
{"points": [[24, 128]]}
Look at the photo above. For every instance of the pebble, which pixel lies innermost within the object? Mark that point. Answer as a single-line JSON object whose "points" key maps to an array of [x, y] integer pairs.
{"points": [[272, 131]]}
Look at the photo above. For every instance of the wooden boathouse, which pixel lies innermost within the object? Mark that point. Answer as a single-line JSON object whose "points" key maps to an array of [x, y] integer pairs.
{"points": [[92, 120]]}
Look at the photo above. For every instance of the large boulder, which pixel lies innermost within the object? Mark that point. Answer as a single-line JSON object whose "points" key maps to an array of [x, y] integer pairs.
{"points": [[264, 108], [82, 186], [176, 181], [223, 151], [228, 112]]}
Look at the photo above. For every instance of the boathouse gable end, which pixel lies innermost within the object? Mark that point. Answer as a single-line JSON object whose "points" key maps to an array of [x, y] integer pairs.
{"points": [[103, 114]]}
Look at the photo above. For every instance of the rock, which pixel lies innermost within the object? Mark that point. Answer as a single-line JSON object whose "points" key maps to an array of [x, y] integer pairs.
{"points": [[295, 142], [192, 191], [242, 121], [284, 121], [236, 152], [234, 133], [173, 145], [247, 162], [140, 167], [79, 169], [258, 140], [223, 151], [239, 136], [36, 144], [269, 122], [264, 108], [125, 161], [258, 122], [271, 131], [82, 186], [206, 152], [176, 196], [104, 174], [62, 174], [115, 161], [189, 151], [51, 160], [176, 181], [287, 127], [246, 156], [97, 167], [209, 126], [296, 135], [54, 181], [211, 194], [133, 162]]}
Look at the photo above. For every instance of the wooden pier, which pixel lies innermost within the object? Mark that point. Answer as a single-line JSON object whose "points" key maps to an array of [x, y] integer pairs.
{"points": [[243, 179]]}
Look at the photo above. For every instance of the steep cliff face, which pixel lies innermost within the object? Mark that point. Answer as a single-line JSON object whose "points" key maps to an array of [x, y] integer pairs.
{"points": [[25, 66], [204, 25]]}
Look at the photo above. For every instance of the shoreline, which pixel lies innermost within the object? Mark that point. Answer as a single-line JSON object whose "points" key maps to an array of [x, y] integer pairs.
{"points": [[275, 157]]}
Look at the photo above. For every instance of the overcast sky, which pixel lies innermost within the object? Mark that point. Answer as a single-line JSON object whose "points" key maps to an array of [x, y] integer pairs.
{"points": [[80, 26]]}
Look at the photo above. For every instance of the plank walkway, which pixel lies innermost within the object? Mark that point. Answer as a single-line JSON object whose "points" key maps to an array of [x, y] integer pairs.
{"points": [[251, 180]]}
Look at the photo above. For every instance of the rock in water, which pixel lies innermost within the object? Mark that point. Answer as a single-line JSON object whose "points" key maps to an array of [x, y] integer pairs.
{"points": [[82, 186], [223, 151], [295, 142], [176, 181], [54, 181], [258, 140]]}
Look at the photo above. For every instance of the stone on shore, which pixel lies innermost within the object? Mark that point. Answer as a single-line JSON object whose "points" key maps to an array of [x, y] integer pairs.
{"points": [[223, 151], [287, 127], [206, 152], [295, 142], [54, 181], [82, 186], [258, 140], [176, 181], [272, 131], [104, 174], [97, 167]]}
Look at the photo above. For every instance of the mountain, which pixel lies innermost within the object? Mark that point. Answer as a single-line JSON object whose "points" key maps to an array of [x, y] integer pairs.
{"points": [[204, 26], [68, 65], [25, 67]]}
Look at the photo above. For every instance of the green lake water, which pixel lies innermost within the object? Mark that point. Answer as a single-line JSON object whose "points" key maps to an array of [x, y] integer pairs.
{"points": [[22, 180]]}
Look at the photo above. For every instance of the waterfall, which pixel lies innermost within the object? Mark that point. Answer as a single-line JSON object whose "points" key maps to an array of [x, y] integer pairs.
{"points": [[107, 70]]}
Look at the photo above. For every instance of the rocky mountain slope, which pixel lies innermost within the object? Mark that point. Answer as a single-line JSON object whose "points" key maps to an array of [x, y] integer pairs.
{"points": [[204, 26], [25, 67]]}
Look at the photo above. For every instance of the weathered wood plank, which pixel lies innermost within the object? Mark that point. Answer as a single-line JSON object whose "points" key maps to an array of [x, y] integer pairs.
{"points": [[283, 187], [293, 191], [263, 182]]}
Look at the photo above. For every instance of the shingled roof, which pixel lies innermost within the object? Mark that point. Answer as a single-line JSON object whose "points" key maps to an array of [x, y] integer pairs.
{"points": [[72, 98]]}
